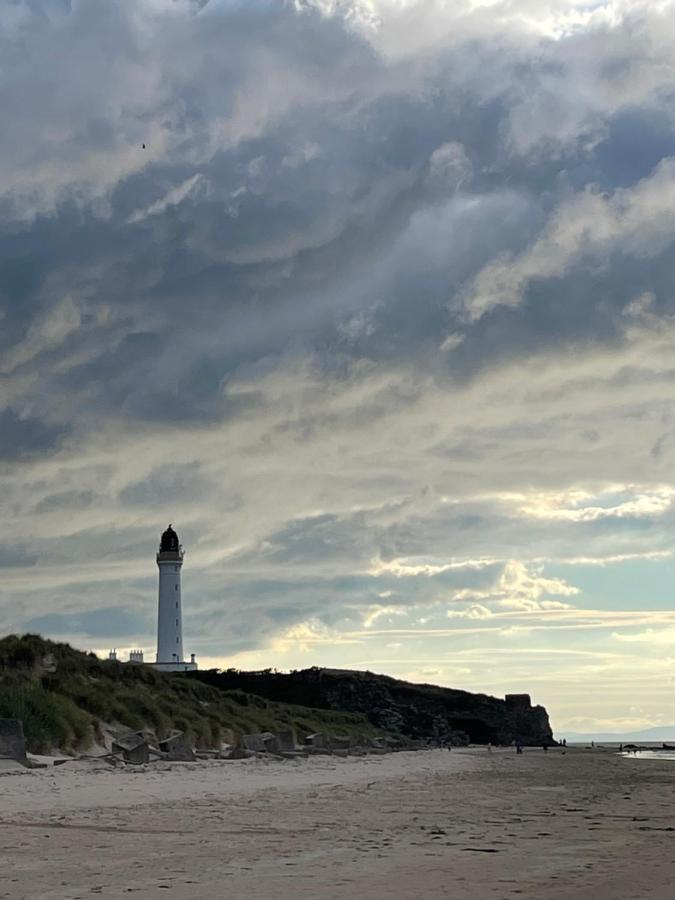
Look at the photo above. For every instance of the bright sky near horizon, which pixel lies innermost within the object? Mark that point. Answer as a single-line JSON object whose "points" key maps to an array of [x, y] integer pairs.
{"points": [[381, 319]]}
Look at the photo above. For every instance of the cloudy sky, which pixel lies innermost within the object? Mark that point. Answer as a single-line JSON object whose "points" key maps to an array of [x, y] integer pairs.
{"points": [[381, 319]]}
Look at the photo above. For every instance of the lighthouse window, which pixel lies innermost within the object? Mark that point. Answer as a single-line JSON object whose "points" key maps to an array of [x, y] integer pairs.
{"points": [[176, 621], [175, 568], [177, 639], [175, 587]]}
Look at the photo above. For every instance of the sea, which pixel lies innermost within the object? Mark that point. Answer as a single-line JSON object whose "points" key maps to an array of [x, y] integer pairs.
{"points": [[650, 754], [648, 749]]}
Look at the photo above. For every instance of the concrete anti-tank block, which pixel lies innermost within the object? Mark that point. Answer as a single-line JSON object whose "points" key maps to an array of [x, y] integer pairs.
{"points": [[12, 739]]}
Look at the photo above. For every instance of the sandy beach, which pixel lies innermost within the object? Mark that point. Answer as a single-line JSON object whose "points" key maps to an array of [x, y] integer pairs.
{"points": [[465, 824]]}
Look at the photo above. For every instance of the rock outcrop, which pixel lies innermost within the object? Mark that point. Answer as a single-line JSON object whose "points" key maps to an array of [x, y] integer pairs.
{"points": [[420, 712]]}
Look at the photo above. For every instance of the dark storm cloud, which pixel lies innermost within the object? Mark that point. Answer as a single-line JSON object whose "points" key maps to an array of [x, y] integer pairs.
{"points": [[23, 437], [328, 183]]}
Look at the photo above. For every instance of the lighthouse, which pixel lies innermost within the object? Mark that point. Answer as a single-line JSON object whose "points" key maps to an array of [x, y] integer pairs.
{"points": [[170, 611]]}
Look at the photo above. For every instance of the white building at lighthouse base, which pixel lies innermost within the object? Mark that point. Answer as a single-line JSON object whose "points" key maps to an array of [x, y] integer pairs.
{"points": [[136, 656], [175, 666]]}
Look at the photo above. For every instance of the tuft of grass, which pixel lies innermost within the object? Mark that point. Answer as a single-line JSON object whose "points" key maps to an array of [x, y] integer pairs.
{"points": [[50, 721]]}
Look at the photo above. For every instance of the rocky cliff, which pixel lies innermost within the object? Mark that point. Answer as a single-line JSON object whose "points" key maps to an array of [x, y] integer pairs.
{"points": [[418, 711]]}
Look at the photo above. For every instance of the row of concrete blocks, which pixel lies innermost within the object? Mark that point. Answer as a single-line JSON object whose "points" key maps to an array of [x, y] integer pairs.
{"points": [[144, 753], [134, 748], [285, 744], [131, 748]]}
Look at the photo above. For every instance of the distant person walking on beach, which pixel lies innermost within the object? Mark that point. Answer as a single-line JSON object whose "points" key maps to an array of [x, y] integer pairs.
{"points": [[519, 747]]}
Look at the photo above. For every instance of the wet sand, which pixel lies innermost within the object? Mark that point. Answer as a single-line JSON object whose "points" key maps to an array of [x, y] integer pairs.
{"points": [[458, 825]]}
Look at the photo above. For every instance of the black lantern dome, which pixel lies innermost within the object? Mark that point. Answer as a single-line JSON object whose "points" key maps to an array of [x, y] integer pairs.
{"points": [[169, 545], [169, 540]]}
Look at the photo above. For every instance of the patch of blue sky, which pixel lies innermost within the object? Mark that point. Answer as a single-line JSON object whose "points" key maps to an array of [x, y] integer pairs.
{"points": [[626, 585]]}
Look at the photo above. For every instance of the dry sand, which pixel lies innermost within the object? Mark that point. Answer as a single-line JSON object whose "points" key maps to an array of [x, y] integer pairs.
{"points": [[466, 824]]}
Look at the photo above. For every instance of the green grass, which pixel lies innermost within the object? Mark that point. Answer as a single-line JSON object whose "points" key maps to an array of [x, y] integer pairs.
{"points": [[63, 696]]}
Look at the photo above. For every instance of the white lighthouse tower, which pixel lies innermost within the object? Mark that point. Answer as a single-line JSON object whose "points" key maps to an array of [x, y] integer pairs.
{"points": [[170, 612]]}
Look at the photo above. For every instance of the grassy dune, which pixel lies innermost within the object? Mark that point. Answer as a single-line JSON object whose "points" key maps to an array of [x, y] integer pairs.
{"points": [[64, 698]]}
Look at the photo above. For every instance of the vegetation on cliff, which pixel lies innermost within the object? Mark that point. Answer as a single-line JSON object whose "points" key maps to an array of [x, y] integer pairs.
{"points": [[65, 698]]}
